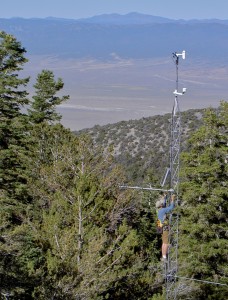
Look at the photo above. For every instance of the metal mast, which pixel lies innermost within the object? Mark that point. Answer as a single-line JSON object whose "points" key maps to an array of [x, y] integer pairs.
{"points": [[171, 267]]}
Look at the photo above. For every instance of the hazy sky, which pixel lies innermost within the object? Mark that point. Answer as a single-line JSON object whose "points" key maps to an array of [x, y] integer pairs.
{"points": [[75, 9]]}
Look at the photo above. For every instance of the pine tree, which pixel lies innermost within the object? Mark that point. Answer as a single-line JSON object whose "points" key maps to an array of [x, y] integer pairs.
{"points": [[13, 123], [43, 107], [14, 149], [90, 232], [203, 240]]}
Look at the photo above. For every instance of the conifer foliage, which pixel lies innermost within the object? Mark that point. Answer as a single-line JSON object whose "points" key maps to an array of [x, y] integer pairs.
{"points": [[43, 107], [203, 251], [87, 229], [13, 123], [14, 149]]}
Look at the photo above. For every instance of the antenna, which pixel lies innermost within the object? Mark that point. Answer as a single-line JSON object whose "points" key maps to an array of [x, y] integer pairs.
{"points": [[183, 92], [183, 54]]}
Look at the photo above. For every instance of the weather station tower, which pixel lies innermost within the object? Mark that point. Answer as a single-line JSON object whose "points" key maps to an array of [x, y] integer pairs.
{"points": [[171, 268], [171, 182]]}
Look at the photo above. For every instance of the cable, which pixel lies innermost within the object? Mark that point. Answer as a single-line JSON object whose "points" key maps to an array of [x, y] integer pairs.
{"points": [[205, 281]]}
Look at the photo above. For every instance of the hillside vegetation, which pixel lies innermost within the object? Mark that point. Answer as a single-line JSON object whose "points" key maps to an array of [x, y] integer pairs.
{"points": [[142, 146]]}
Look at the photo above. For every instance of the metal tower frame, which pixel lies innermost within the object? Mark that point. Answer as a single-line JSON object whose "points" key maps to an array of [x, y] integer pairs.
{"points": [[171, 268]]}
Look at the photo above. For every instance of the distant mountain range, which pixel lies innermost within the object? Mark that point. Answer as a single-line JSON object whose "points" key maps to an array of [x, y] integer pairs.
{"points": [[134, 35], [137, 19]]}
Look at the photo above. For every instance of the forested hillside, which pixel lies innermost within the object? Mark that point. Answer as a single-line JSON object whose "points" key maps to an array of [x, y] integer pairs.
{"points": [[67, 231], [142, 146]]}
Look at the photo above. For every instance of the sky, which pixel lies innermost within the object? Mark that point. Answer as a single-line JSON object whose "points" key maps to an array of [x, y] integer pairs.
{"points": [[76, 9]]}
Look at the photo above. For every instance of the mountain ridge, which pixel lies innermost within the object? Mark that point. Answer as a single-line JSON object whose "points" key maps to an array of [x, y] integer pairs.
{"points": [[76, 39], [129, 18]]}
